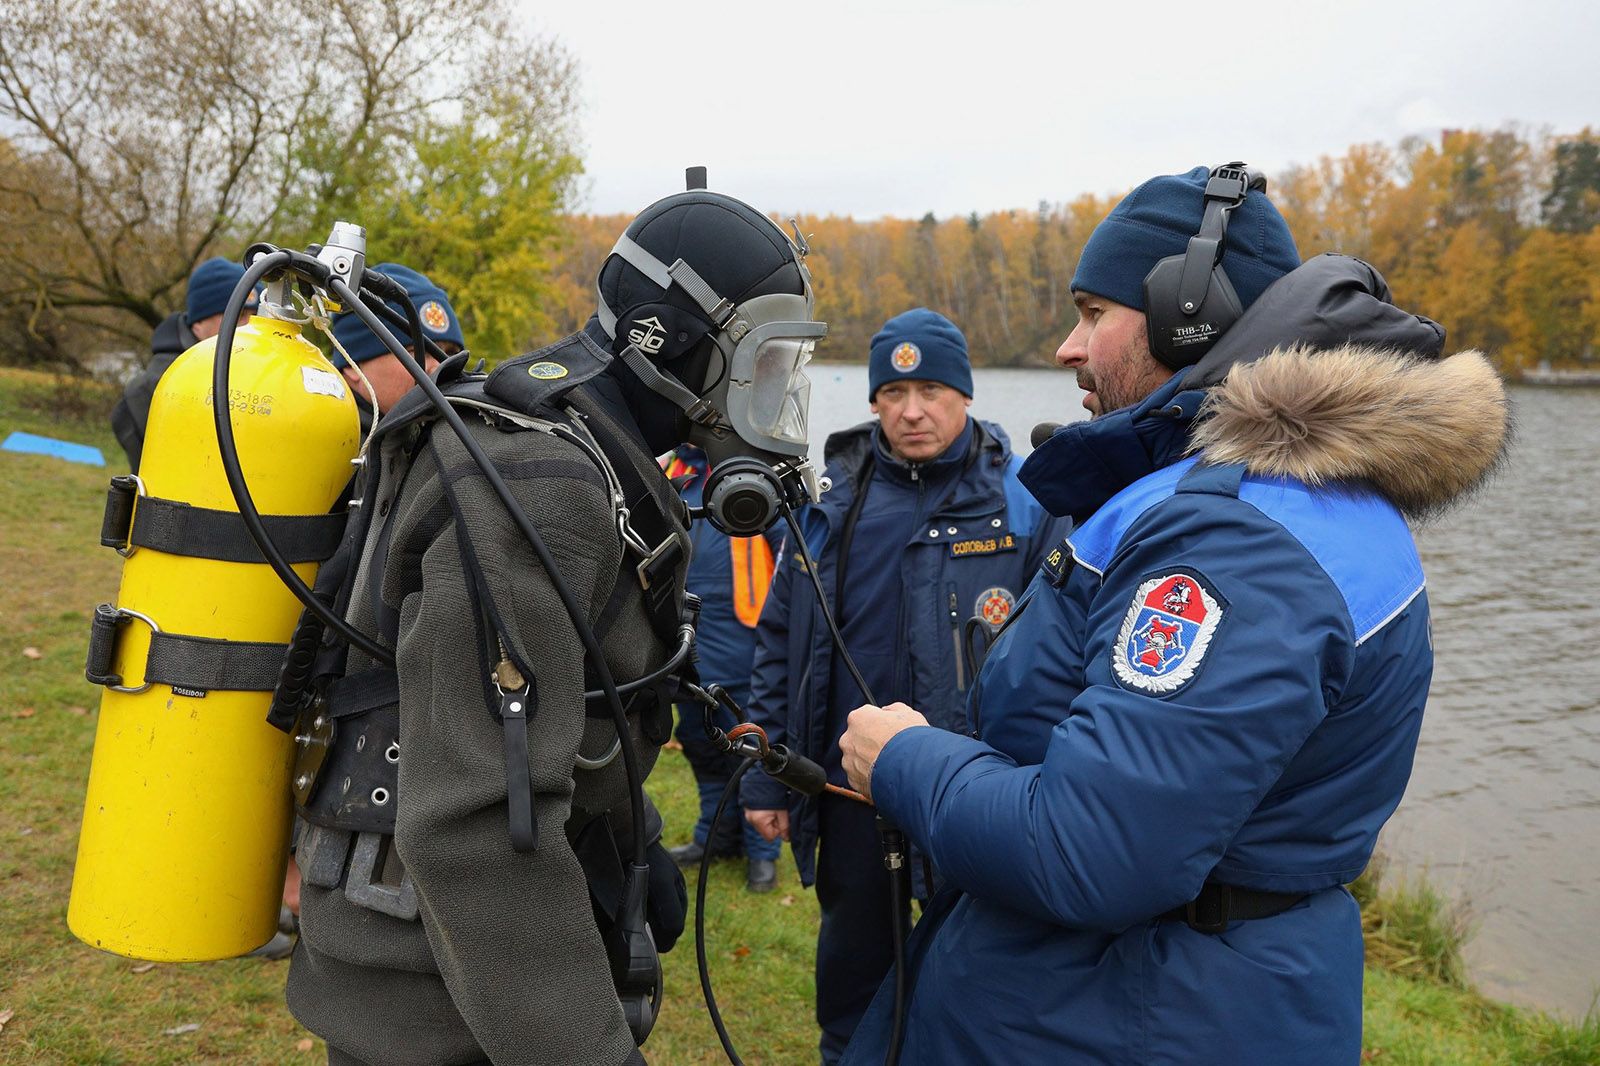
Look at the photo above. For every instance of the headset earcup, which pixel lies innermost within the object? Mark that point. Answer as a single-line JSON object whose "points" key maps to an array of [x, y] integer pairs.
{"points": [[1178, 340]]}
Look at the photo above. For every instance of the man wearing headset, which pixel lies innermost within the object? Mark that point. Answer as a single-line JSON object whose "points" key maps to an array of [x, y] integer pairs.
{"points": [[1208, 700], [468, 843]]}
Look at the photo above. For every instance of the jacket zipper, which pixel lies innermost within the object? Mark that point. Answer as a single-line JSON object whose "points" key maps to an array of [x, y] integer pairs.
{"points": [[955, 640]]}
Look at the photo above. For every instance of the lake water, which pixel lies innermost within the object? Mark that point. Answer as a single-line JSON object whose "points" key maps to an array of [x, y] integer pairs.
{"points": [[1503, 810]]}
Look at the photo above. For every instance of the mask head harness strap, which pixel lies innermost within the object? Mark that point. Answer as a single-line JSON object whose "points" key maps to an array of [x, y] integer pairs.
{"points": [[1189, 301], [719, 309]]}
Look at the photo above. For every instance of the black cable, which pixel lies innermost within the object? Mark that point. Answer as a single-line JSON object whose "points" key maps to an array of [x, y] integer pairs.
{"points": [[221, 412], [822, 601], [586, 634], [897, 898], [899, 914], [700, 920], [380, 304], [685, 646]]}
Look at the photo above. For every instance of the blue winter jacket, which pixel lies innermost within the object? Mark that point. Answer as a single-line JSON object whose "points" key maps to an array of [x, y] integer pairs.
{"points": [[980, 547], [1222, 678]]}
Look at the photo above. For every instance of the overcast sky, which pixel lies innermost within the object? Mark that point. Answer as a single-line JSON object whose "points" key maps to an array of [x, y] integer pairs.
{"points": [[870, 108]]}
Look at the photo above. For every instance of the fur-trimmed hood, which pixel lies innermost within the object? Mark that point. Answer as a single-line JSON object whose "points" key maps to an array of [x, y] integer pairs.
{"points": [[1421, 432], [1323, 379]]}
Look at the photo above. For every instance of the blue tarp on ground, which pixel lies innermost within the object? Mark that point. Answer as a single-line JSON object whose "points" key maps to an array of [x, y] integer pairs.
{"points": [[29, 444]]}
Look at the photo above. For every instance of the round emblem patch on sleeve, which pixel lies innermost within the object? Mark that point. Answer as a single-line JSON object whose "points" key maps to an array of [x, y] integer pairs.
{"points": [[434, 317], [1166, 633]]}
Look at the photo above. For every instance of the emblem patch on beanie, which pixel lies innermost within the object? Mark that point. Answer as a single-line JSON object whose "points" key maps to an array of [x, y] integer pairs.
{"points": [[434, 317], [1166, 633], [906, 358], [994, 605]]}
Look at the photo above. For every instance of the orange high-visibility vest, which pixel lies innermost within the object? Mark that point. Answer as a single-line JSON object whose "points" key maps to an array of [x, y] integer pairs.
{"points": [[752, 576]]}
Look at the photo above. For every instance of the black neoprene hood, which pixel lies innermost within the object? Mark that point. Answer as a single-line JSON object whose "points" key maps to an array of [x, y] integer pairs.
{"points": [[737, 250]]}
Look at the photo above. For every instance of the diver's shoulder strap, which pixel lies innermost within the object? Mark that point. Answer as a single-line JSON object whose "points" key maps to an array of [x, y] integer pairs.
{"points": [[537, 382]]}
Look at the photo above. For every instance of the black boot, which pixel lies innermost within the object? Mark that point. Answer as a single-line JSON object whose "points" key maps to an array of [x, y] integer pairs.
{"points": [[761, 875]]}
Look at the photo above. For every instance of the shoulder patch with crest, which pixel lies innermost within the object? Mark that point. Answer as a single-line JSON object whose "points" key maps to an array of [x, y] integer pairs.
{"points": [[1166, 633]]}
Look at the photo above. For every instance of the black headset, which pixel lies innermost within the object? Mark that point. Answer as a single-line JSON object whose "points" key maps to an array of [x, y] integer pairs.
{"points": [[1188, 300]]}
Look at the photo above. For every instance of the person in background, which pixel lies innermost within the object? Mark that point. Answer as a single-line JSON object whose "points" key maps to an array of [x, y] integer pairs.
{"points": [[923, 545], [210, 285], [1210, 700], [389, 380], [731, 576]]}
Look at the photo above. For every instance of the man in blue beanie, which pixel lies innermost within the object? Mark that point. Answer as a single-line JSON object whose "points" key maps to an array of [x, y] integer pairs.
{"points": [[923, 544], [210, 285], [1185, 746], [1153, 222], [389, 380]]}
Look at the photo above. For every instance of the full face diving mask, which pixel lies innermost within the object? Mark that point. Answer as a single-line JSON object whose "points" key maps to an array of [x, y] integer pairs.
{"points": [[750, 412]]}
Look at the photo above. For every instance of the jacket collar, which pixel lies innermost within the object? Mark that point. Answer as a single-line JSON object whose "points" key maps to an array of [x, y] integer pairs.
{"points": [[937, 469], [848, 451], [1084, 464]]}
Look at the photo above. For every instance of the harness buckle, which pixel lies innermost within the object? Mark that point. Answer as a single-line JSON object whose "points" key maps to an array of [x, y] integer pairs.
{"points": [[647, 567]]}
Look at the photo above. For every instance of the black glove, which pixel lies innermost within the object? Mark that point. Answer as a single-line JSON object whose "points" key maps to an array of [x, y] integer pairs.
{"points": [[667, 908]]}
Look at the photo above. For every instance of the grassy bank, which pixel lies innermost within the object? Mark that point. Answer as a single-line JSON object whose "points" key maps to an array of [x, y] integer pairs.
{"points": [[70, 1004]]}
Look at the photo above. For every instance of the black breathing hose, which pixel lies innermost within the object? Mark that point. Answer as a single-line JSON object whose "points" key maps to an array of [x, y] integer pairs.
{"points": [[891, 835], [897, 858], [731, 788], [822, 601], [221, 413]]}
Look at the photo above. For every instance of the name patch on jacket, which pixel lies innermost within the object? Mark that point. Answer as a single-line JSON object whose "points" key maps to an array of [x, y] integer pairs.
{"points": [[1166, 633], [1058, 564], [982, 545]]}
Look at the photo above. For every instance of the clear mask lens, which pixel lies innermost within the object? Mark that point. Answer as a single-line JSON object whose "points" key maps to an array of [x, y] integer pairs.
{"points": [[780, 396]]}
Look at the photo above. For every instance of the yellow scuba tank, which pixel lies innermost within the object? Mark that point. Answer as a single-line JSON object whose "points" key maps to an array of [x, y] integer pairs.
{"points": [[187, 815]]}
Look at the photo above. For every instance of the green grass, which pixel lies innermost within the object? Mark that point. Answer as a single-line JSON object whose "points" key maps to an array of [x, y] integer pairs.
{"points": [[72, 1004]]}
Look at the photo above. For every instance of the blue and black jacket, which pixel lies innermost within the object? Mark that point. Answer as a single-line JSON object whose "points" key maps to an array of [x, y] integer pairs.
{"points": [[1219, 680]]}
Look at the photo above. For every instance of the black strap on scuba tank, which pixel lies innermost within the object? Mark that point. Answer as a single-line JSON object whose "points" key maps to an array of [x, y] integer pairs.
{"points": [[204, 663], [134, 520], [191, 665], [1218, 904]]}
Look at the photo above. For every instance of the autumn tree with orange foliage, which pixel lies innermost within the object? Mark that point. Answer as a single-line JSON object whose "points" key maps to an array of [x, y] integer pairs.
{"points": [[1494, 233]]}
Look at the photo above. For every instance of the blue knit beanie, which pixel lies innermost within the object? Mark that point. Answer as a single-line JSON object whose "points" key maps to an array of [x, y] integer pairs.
{"points": [[1158, 218], [921, 345], [433, 307], [210, 286]]}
